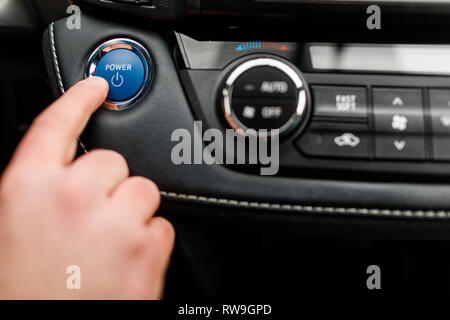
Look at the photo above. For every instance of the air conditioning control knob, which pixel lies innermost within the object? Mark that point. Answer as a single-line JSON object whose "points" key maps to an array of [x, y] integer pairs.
{"points": [[264, 94]]}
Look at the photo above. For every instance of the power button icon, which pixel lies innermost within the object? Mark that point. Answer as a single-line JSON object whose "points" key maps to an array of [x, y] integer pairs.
{"points": [[125, 72], [117, 80], [127, 67]]}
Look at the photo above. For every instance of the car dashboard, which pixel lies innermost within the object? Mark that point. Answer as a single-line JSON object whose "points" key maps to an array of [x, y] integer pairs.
{"points": [[347, 104]]}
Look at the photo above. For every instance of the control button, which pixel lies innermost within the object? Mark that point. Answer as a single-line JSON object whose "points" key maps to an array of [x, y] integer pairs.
{"points": [[262, 114], [399, 124], [264, 82], [390, 146], [351, 142], [441, 147], [398, 111], [124, 71], [126, 66], [264, 94], [440, 111], [440, 119], [338, 102]]}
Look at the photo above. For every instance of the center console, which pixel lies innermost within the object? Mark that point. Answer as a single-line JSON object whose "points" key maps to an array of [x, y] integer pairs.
{"points": [[355, 107], [362, 116]]}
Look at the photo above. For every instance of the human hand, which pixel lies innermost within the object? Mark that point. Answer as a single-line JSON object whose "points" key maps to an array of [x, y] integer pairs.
{"points": [[56, 212]]}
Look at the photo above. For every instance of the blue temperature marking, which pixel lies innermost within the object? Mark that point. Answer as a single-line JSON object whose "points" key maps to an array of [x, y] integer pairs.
{"points": [[249, 45]]}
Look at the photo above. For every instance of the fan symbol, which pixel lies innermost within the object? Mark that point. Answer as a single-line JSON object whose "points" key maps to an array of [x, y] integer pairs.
{"points": [[399, 122]]}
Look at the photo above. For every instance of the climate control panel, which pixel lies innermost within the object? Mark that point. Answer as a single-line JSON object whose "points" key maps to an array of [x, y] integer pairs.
{"points": [[393, 124], [330, 120], [264, 94]]}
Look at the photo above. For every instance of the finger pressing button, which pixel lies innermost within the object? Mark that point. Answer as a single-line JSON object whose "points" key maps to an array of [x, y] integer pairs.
{"points": [[126, 66], [124, 71]]}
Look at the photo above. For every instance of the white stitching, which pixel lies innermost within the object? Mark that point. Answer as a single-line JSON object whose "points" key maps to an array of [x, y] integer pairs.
{"points": [[305, 208], [83, 147], [58, 74], [55, 58], [265, 205]]}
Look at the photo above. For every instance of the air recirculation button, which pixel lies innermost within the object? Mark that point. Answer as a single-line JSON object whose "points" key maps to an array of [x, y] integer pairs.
{"points": [[264, 94]]}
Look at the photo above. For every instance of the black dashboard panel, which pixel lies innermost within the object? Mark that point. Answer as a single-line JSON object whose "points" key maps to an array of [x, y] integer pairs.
{"points": [[236, 228], [176, 9], [396, 117], [364, 167], [142, 134]]}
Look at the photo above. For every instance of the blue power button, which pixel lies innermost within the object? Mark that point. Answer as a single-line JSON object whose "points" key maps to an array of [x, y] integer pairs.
{"points": [[125, 72]]}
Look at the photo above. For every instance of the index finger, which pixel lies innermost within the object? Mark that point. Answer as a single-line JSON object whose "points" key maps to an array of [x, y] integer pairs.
{"points": [[52, 137]]}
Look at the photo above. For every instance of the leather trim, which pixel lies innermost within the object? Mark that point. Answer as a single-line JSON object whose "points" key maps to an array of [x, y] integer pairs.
{"points": [[305, 208], [55, 58], [58, 72]]}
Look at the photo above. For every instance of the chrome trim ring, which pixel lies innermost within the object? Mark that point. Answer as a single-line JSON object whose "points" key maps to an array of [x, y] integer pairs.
{"points": [[122, 43], [231, 117]]}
